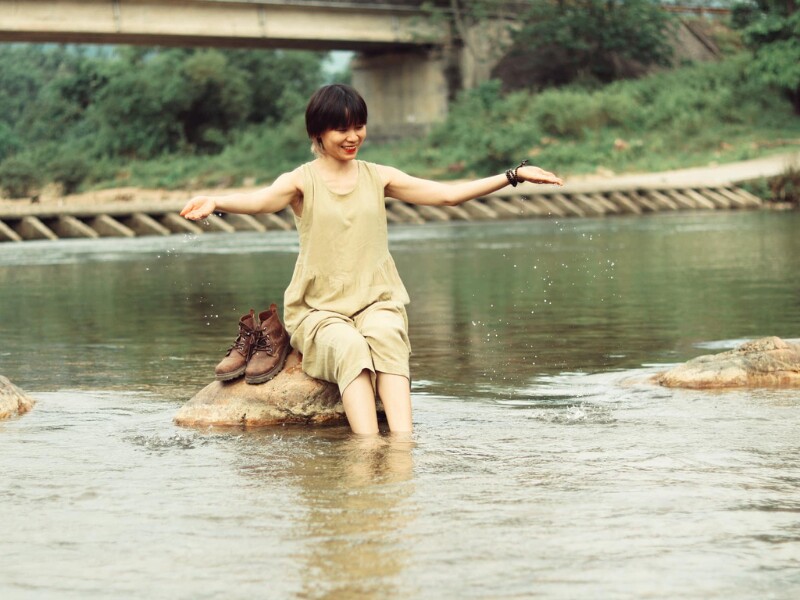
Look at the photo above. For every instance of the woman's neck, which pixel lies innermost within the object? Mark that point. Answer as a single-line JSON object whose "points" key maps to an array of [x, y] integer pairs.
{"points": [[335, 167]]}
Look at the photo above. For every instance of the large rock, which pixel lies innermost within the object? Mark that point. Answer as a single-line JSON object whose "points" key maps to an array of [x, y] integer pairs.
{"points": [[13, 400], [768, 362], [290, 397]]}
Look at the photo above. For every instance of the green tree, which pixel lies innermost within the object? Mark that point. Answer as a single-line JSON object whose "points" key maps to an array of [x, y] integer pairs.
{"points": [[136, 112], [567, 40], [9, 142], [80, 113], [218, 99], [556, 42], [184, 100], [771, 28], [280, 82], [60, 103], [21, 77]]}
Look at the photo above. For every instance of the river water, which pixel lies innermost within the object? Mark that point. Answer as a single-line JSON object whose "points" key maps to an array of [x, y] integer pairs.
{"points": [[543, 463]]}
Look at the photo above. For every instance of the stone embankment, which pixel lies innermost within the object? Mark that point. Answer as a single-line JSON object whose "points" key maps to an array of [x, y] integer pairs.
{"points": [[133, 219], [702, 189], [13, 401]]}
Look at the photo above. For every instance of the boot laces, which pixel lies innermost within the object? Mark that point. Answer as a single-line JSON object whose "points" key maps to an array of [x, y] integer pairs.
{"points": [[263, 342], [240, 343]]}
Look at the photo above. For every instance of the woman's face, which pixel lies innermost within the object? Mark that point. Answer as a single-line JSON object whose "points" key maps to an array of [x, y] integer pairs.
{"points": [[343, 144]]}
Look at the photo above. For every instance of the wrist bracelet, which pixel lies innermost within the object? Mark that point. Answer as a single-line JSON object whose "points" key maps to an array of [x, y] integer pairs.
{"points": [[512, 178], [511, 174]]}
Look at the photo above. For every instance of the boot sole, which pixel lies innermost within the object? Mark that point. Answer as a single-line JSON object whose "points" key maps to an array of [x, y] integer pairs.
{"points": [[269, 374], [232, 375]]}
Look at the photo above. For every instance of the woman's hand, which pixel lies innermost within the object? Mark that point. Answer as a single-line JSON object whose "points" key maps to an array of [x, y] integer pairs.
{"points": [[198, 208], [537, 175]]}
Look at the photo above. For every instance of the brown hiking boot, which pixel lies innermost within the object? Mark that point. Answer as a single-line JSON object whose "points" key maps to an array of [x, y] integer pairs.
{"points": [[270, 350], [235, 361]]}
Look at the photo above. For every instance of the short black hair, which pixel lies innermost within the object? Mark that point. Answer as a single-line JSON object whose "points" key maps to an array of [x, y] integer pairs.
{"points": [[334, 106]]}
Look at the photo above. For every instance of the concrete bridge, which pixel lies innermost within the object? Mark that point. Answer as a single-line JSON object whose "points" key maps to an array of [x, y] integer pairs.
{"points": [[402, 67]]}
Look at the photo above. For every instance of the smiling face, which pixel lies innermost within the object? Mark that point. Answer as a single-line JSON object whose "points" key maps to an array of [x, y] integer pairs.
{"points": [[343, 143], [336, 121]]}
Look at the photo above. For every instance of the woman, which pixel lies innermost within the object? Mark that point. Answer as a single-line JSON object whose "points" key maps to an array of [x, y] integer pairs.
{"points": [[345, 306]]}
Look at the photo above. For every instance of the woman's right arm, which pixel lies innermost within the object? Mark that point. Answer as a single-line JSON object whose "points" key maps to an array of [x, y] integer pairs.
{"points": [[283, 191]]}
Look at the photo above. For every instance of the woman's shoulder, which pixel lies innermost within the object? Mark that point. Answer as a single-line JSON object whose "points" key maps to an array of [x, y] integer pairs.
{"points": [[383, 172], [302, 173], [373, 171], [295, 179]]}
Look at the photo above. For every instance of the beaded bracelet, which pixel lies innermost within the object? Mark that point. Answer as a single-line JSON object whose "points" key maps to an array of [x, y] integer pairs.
{"points": [[511, 174]]}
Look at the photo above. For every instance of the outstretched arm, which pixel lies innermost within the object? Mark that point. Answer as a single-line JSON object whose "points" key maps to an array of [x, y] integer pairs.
{"points": [[279, 195], [423, 191]]}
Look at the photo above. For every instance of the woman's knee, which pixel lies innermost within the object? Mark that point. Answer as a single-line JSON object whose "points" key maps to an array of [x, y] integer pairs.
{"points": [[385, 327], [341, 338]]}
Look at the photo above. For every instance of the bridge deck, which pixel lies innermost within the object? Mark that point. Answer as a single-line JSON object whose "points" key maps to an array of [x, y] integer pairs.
{"points": [[260, 23]]}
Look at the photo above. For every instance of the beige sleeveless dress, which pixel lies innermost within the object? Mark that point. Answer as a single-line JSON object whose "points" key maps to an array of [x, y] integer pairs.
{"points": [[345, 306]]}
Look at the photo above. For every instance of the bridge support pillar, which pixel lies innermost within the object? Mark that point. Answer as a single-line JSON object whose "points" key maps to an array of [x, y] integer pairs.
{"points": [[407, 92]]}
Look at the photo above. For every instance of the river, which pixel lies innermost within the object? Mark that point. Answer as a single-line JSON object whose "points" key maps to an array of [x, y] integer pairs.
{"points": [[543, 463]]}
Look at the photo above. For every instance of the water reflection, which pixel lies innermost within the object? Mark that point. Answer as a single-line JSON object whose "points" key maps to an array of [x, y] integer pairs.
{"points": [[356, 497]]}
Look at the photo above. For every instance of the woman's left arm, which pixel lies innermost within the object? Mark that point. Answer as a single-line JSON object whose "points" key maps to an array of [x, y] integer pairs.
{"points": [[423, 191]]}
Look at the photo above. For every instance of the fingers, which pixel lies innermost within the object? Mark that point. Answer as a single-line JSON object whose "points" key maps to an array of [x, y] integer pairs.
{"points": [[537, 175], [195, 209], [548, 178]]}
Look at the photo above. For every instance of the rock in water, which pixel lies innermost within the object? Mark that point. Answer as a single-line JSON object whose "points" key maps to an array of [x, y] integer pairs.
{"points": [[290, 397], [768, 362], [13, 400]]}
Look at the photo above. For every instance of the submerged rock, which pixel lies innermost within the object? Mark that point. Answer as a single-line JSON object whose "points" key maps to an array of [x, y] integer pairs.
{"points": [[768, 362], [290, 397], [13, 400]]}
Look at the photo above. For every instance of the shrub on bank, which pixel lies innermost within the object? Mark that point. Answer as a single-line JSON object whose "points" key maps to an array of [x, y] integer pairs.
{"points": [[259, 153], [669, 119], [786, 186], [70, 172], [19, 177]]}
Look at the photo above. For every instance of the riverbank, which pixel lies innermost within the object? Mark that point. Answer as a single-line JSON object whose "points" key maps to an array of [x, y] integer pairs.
{"points": [[713, 175], [131, 212]]}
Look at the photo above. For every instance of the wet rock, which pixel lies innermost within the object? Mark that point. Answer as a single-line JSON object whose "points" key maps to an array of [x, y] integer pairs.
{"points": [[13, 400], [290, 397], [768, 362]]}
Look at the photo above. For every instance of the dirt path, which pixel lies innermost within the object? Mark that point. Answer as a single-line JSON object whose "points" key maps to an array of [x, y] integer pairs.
{"points": [[708, 176]]}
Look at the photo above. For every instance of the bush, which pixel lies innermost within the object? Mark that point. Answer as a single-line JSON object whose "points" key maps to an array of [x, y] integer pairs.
{"points": [[569, 113], [19, 178], [485, 130], [70, 172], [786, 186], [266, 151], [667, 120], [9, 142]]}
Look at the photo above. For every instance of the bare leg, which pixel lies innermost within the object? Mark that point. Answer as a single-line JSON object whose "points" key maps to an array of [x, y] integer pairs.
{"points": [[359, 405], [395, 393]]}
